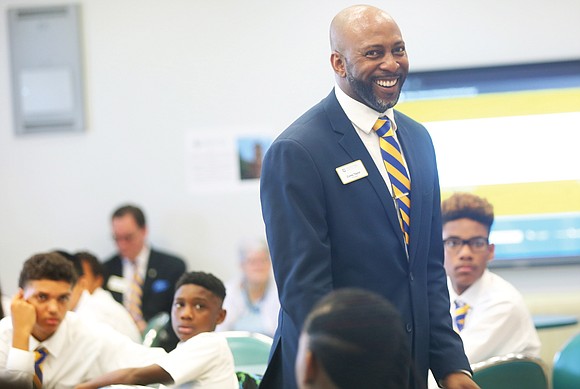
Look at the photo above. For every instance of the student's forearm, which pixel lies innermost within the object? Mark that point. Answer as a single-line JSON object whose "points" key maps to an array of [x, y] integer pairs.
{"points": [[151, 374], [20, 339], [122, 376]]}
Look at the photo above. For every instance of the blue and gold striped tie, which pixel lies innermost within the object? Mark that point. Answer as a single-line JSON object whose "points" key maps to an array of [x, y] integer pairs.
{"points": [[398, 175], [460, 312], [39, 356]]}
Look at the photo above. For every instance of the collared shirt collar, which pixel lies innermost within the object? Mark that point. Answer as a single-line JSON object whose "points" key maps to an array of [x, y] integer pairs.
{"points": [[359, 114], [141, 260]]}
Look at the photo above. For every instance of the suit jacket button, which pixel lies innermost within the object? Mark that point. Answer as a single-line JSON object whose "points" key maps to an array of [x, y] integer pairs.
{"points": [[409, 327]]}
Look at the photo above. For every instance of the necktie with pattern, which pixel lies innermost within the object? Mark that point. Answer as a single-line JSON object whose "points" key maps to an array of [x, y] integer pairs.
{"points": [[398, 175], [135, 294], [39, 357], [461, 309]]}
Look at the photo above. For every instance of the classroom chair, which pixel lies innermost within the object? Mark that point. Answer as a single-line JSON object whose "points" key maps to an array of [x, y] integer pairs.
{"points": [[511, 371], [566, 369]]}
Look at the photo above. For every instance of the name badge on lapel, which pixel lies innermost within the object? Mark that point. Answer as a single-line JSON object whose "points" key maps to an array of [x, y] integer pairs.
{"points": [[351, 172]]}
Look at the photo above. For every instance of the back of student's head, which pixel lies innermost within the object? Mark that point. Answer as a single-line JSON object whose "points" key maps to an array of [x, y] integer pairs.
{"points": [[47, 266], [359, 339], [467, 206], [93, 262], [206, 280]]}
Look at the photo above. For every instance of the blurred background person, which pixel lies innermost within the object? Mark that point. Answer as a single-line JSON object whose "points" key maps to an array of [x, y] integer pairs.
{"points": [[139, 276], [98, 304], [252, 299]]}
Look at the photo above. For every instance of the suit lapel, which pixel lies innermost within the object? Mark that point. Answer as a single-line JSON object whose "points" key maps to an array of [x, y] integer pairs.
{"points": [[354, 147], [412, 158]]}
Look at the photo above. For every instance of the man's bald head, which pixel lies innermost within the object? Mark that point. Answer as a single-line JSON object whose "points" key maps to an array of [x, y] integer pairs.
{"points": [[356, 19]]}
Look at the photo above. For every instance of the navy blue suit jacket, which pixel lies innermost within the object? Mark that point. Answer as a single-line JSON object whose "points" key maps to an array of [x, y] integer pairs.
{"points": [[163, 271], [325, 235]]}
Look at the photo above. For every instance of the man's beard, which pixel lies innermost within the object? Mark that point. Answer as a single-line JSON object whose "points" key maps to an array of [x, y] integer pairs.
{"points": [[365, 91]]}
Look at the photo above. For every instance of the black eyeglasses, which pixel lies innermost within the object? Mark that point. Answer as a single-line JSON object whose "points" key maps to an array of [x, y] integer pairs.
{"points": [[477, 244]]}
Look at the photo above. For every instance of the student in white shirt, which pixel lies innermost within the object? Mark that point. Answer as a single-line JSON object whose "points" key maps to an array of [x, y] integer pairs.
{"points": [[77, 351], [202, 359], [98, 304], [497, 321]]}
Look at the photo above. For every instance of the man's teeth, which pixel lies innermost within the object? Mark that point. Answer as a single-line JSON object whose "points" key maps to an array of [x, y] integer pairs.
{"points": [[387, 83]]}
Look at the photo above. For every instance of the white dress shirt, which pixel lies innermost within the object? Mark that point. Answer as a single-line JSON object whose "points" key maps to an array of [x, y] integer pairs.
{"points": [[204, 361], [497, 322], [77, 351], [101, 307], [363, 118], [142, 261]]}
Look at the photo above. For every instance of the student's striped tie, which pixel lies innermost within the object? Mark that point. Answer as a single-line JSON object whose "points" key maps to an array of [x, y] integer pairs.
{"points": [[39, 356], [398, 175], [460, 311]]}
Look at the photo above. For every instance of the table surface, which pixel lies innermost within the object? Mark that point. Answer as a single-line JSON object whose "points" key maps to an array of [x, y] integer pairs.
{"points": [[553, 321]]}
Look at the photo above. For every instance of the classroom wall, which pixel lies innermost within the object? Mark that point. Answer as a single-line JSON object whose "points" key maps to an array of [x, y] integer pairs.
{"points": [[157, 70]]}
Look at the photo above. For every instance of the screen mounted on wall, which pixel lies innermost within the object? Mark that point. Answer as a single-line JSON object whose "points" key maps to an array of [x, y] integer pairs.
{"points": [[510, 134]]}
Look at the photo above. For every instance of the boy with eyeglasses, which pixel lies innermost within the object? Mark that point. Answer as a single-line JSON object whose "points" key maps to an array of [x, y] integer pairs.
{"points": [[489, 313]]}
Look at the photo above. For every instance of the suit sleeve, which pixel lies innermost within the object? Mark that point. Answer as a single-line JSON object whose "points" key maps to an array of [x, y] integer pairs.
{"points": [[445, 346], [293, 208]]}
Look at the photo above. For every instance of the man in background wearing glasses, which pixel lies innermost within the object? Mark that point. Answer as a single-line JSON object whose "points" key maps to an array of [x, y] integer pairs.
{"points": [[489, 313], [140, 277]]}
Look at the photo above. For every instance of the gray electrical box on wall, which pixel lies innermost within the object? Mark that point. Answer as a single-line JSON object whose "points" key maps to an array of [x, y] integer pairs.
{"points": [[46, 69]]}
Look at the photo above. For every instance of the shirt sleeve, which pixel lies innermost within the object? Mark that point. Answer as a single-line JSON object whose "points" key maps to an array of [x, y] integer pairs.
{"points": [[20, 360], [190, 360]]}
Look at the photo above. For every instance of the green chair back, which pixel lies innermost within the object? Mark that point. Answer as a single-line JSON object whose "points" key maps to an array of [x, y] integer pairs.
{"points": [[250, 350], [566, 369], [511, 371], [154, 332]]}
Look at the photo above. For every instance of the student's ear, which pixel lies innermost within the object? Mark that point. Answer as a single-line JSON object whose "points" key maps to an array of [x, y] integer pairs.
{"points": [[311, 368], [491, 254], [100, 281], [221, 316]]}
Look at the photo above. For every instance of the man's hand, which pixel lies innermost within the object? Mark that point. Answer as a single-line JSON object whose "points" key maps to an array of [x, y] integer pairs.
{"points": [[459, 381], [23, 320]]}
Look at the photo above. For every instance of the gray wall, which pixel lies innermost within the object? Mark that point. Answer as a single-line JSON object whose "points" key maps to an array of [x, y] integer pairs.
{"points": [[155, 70]]}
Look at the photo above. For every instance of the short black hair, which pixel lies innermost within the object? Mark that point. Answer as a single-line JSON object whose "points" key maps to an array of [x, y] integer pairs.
{"points": [[133, 210], [95, 265], [206, 280], [359, 338], [76, 262], [47, 266]]}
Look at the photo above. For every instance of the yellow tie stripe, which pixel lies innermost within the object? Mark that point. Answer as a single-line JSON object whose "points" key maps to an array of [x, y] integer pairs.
{"points": [[397, 171]]}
